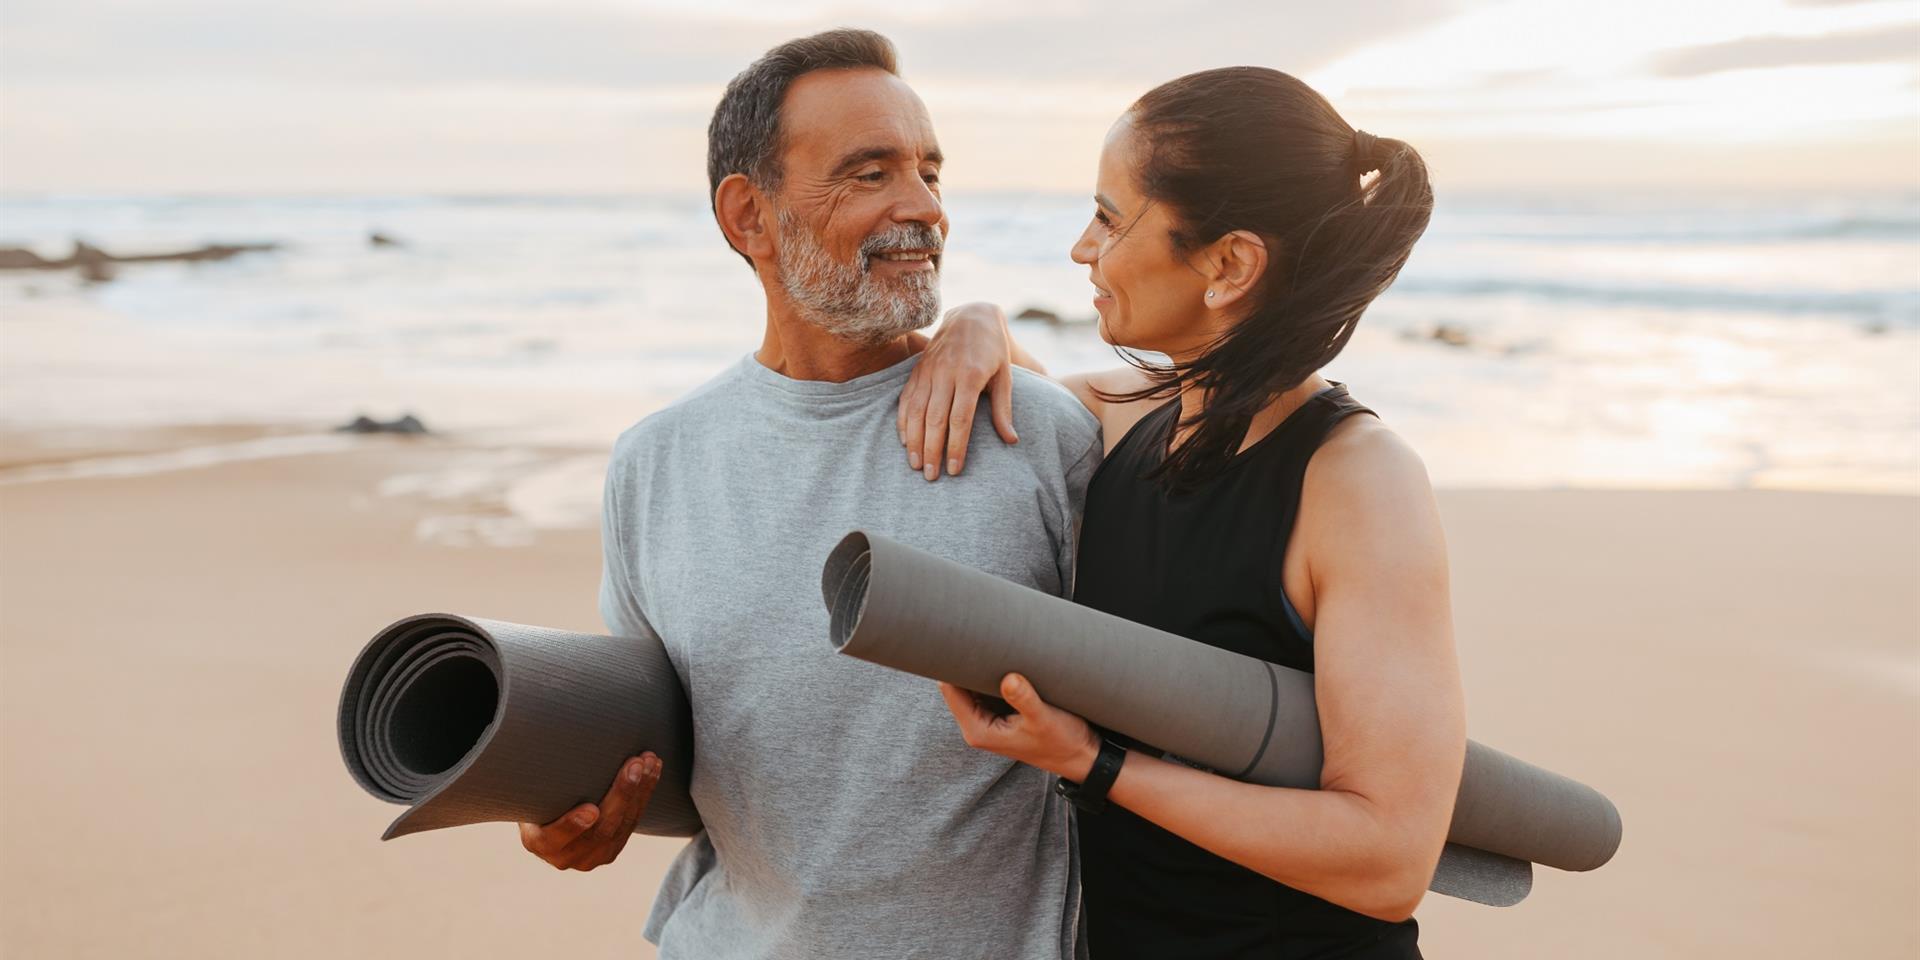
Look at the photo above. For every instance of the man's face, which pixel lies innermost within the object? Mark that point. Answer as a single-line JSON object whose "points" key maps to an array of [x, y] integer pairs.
{"points": [[861, 226]]}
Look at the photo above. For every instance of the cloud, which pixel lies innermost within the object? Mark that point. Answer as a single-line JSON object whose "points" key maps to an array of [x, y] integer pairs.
{"points": [[1898, 43], [585, 94], [428, 43]]}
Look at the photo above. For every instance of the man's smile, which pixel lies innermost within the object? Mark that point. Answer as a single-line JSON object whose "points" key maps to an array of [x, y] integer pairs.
{"points": [[906, 261]]}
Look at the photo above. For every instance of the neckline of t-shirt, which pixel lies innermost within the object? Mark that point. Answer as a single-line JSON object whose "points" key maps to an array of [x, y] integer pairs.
{"points": [[753, 370]]}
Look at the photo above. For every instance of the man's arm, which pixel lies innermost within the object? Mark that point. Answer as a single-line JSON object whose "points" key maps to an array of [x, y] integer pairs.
{"points": [[591, 835]]}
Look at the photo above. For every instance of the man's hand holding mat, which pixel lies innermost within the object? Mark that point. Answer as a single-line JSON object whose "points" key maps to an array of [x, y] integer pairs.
{"points": [[590, 836]]}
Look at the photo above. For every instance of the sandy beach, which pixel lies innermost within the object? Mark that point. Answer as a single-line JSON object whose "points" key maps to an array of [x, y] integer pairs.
{"points": [[1739, 671]]}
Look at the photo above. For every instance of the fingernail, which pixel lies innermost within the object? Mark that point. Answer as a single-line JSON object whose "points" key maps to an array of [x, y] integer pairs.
{"points": [[932, 471], [953, 468], [653, 766], [913, 459], [635, 771], [583, 818]]}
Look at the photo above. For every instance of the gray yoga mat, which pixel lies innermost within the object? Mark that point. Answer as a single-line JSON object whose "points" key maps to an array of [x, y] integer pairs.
{"points": [[904, 608], [474, 721]]}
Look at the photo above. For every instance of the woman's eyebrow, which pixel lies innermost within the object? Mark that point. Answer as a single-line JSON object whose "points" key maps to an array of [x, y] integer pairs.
{"points": [[1101, 199]]}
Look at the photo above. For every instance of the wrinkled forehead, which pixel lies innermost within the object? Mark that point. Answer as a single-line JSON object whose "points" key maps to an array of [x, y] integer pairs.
{"points": [[828, 114]]}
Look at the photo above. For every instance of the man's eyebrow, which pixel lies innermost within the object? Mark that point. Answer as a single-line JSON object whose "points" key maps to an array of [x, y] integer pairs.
{"points": [[870, 154]]}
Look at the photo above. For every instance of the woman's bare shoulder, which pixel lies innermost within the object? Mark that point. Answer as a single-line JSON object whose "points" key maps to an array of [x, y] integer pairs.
{"points": [[1366, 483], [1116, 418], [1361, 445]]}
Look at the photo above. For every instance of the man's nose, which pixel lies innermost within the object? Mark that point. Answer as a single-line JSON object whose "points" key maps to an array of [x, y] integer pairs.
{"points": [[919, 204]]}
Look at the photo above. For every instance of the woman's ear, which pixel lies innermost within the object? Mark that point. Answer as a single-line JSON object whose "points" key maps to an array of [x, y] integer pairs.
{"points": [[1234, 264], [745, 217]]}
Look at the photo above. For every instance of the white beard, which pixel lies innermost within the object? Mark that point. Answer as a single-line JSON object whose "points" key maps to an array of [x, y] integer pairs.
{"points": [[846, 299]]}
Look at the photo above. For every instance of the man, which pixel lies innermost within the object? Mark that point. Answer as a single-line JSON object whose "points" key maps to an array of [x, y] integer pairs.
{"points": [[845, 816]]}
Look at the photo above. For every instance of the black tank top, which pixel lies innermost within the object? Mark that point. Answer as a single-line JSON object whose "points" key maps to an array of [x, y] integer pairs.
{"points": [[1205, 564]]}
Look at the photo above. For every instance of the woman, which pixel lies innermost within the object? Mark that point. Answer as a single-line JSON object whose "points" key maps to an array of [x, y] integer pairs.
{"points": [[1241, 228]]}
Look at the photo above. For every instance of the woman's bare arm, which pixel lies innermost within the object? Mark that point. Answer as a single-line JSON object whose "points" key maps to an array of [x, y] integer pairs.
{"points": [[1386, 683], [1388, 688]]}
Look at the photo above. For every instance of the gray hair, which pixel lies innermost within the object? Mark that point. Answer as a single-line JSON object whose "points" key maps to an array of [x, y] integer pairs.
{"points": [[744, 136]]}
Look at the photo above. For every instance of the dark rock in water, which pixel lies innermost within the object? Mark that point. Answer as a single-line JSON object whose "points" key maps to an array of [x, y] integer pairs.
{"points": [[1877, 328], [215, 251], [85, 253], [96, 271], [1452, 335], [95, 265], [92, 261], [363, 424], [20, 258], [382, 240], [1039, 315]]}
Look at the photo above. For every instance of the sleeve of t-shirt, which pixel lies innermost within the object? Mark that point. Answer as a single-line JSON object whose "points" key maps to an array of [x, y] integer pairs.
{"points": [[1079, 474], [620, 605]]}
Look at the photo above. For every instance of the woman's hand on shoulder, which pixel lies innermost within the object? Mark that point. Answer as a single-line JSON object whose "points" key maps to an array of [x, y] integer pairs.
{"points": [[971, 353]]}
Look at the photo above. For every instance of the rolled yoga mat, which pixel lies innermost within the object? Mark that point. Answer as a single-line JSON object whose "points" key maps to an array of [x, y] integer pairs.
{"points": [[472, 721], [904, 608]]}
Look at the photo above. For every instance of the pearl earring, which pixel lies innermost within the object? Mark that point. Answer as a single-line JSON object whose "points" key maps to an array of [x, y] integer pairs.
{"points": [[1209, 294]]}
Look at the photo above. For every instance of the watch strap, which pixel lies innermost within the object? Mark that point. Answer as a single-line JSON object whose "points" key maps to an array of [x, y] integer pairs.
{"points": [[1090, 794]]}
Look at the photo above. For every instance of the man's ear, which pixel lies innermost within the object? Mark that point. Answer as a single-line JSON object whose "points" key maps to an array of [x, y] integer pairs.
{"points": [[745, 217], [1234, 265]]}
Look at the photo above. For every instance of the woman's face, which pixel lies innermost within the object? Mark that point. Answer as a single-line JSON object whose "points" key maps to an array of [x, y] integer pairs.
{"points": [[1147, 297]]}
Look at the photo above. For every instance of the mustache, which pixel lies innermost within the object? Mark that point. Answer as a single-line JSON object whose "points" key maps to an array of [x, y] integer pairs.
{"points": [[905, 236]]}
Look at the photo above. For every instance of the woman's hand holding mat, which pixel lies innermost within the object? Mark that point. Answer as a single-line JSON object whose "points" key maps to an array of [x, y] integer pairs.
{"points": [[1036, 733]]}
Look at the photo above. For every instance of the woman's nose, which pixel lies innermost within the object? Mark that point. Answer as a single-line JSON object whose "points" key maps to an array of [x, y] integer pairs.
{"points": [[1083, 250]]}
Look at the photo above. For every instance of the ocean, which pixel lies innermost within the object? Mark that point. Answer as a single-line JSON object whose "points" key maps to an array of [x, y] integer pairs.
{"points": [[1589, 340]]}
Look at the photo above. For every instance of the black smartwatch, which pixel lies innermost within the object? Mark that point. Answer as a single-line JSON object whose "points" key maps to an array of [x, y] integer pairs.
{"points": [[1090, 794]]}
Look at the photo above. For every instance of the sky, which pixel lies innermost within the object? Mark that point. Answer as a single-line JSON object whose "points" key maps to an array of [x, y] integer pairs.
{"points": [[613, 96]]}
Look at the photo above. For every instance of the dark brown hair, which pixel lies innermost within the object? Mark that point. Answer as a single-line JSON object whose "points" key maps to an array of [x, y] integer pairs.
{"points": [[744, 135], [1248, 148]]}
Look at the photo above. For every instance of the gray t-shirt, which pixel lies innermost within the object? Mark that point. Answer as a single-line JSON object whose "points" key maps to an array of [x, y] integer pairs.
{"points": [[845, 816]]}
